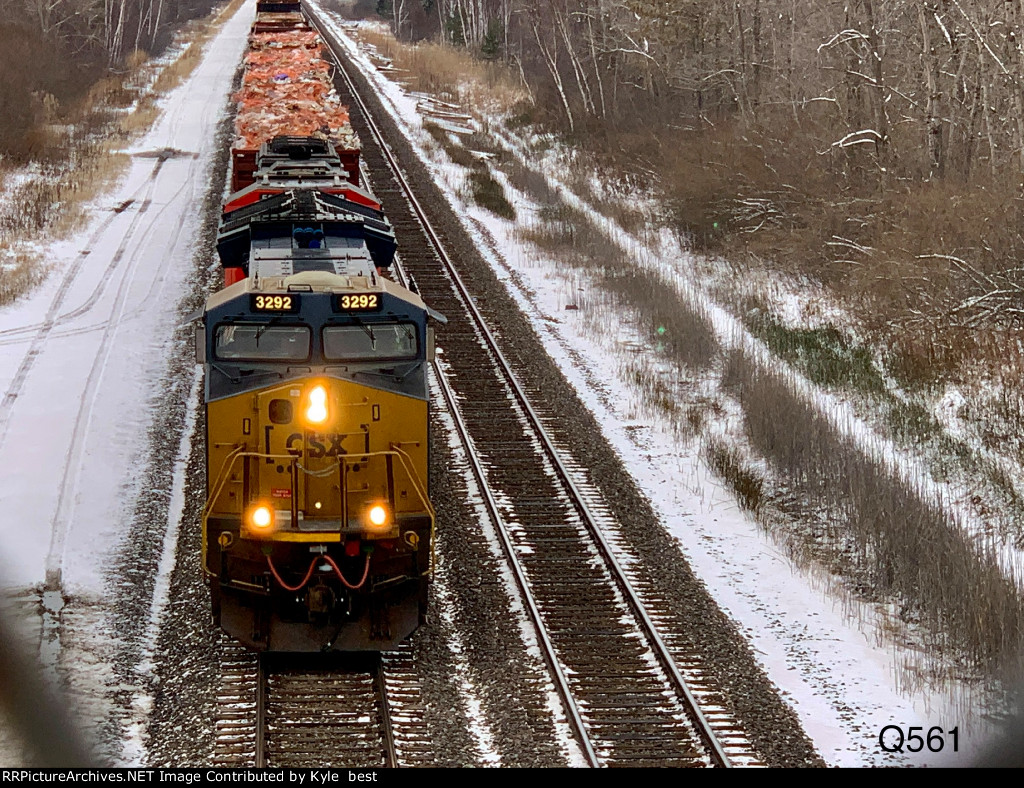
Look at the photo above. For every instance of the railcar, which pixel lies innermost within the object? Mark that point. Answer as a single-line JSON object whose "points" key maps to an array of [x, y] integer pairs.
{"points": [[318, 528]]}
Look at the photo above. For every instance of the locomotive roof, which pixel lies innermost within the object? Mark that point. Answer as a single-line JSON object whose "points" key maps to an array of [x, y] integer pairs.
{"points": [[275, 257], [352, 239], [319, 282]]}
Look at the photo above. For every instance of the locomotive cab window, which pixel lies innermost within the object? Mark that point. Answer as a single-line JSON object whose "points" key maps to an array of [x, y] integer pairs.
{"points": [[262, 342], [371, 341]]}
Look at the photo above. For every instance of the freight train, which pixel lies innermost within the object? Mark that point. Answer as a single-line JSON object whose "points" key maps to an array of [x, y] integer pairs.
{"points": [[318, 528]]}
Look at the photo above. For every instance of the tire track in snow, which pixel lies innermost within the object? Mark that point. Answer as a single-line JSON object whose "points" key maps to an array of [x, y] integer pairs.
{"points": [[51, 320], [101, 286], [73, 459]]}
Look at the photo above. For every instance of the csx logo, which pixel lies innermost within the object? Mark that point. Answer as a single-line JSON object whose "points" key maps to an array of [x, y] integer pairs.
{"points": [[319, 445]]}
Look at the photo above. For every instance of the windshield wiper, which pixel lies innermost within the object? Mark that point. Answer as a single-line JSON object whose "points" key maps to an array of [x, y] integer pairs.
{"points": [[263, 329], [368, 330]]}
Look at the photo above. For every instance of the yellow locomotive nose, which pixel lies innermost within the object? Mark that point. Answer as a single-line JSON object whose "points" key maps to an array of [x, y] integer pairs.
{"points": [[316, 410]]}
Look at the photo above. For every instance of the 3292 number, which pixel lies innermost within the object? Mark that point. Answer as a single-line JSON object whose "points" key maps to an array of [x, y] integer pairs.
{"points": [[274, 303], [893, 739], [357, 302]]}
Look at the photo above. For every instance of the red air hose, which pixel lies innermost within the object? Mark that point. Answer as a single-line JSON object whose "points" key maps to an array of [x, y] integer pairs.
{"points": [[348, 585], [301, 585], [312, 566]]}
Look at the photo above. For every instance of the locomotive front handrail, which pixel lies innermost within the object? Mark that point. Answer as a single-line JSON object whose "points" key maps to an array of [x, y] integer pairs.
{"points": [[407, 460], [407, 464]]}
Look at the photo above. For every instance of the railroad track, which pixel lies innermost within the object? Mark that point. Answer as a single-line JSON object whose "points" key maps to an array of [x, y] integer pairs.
{"points": [[631, 698], [316, 710]]}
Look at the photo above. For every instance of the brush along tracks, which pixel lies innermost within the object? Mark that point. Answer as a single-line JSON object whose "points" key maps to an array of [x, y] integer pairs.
{"points": [[624, 689], [307, 711]]}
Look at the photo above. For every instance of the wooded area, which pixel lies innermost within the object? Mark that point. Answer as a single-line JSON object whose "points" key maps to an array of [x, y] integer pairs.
{"points": [[874, 145], [933, 87], [857, 170], [53, 51]]}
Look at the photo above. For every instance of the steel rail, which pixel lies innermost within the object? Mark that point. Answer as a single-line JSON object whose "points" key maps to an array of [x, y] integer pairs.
{"points": [[380, 685], [274, 666], [550, 655], [655, 640], [548, 648], [260, 756]]}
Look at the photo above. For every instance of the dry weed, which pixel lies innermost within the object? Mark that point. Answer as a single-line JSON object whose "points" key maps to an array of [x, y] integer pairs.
{"points": [[447, 72], [911, 261], [19, 272], [903, 545], [881, 533], [82, 159], [672, 326]]}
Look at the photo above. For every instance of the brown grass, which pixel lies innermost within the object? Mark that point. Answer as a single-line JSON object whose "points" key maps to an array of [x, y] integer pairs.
{"points": [[82, 159], [930, 268], [840, 507], [773, 200], [727, 463], [448, 73], [19, 272], [484, 189], [671, 326], [459, 154], [900, 543]]}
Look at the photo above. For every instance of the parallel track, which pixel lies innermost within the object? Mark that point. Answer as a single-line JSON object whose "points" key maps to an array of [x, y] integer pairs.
{"points": [[626, 697]]}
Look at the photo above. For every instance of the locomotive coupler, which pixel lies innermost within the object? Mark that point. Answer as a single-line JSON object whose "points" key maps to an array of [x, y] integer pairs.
{"points": [[319, 600]]}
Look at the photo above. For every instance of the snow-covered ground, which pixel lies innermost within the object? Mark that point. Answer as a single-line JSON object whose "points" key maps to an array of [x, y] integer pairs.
{"points": [[82, 356], [830, 656], [79, 356]]}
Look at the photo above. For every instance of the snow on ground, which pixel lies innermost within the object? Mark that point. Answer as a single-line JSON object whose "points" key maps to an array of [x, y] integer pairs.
{"points": [[81, 356], [829, 656]]}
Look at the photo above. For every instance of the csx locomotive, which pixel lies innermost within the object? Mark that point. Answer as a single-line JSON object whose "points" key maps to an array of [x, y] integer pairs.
{"points": [[318, 529]]}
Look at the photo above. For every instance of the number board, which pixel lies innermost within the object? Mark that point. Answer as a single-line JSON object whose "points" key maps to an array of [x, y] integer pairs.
{"points": [[274, 303], [359, 302]]}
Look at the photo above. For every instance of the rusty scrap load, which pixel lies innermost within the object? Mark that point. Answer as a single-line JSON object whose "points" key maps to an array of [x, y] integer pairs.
{"points": [[299, 38], [287, 89]]}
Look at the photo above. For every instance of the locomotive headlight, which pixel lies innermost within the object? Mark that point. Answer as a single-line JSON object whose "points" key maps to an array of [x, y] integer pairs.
{"points": [[262, 517], [316, 411], [377, 515]]}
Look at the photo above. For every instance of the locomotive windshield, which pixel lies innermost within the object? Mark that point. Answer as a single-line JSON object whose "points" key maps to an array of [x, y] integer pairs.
{"points": [[262, 342], [370, 341]]}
